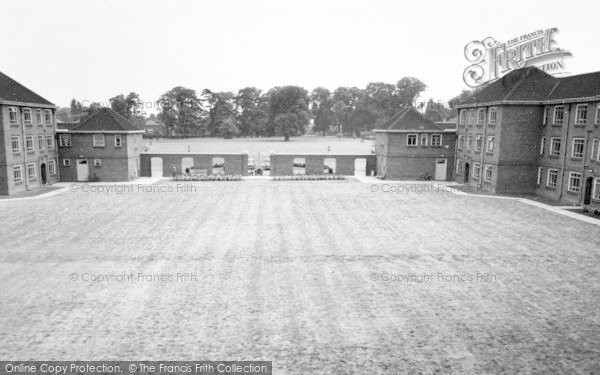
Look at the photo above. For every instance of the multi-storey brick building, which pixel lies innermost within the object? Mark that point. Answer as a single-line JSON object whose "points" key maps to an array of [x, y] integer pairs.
{"points": [[103, 147], [533, 133], [409, 146], [28, 158]]}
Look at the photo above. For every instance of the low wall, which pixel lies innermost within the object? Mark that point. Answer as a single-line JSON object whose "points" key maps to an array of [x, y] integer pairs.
{"points": [[283, 164], [234, 163]]}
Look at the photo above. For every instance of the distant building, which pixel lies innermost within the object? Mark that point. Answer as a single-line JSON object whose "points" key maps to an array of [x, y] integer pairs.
{"points": [[154, 128], [411, 147], [28, 158], [103, 147], [533, 133]]}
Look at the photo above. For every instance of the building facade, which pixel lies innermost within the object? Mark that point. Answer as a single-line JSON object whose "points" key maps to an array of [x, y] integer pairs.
{"points": [[28, 156], [103, 147], [531, 133], [410, 147]]}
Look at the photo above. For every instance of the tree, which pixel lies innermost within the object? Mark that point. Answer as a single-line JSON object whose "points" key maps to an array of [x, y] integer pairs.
{"points": [[252, 109], [180, 109], [464, 95], [322, 109], [288, 111], [222, 115], [409, 89]]}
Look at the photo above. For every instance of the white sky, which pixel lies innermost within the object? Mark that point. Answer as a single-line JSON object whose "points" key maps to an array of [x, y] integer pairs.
{"points": [[94, 50]]}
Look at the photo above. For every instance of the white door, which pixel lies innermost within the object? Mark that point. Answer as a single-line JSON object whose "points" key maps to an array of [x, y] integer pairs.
{"points": [[187, 163], [83, 171], [360, 167], [156, 167], [440, 169]]}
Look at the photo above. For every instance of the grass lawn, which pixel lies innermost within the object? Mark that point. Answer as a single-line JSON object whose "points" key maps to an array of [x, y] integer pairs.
{"points": [[294, 272]]}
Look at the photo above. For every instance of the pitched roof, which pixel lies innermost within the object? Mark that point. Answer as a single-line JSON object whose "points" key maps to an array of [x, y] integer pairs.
{"points": [[66, 125], [532, 84], [152, 123], [11, 90], [105, 119], [409, 119]]}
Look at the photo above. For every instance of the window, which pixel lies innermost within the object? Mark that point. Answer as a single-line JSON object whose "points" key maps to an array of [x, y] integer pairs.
{"points": [[559, 114], [411, 140], [436, 140], [490, 144], [581, 111], [49, 142], [469, 141], [38, 116], [41, 142], [98, 140], [488, 173], [13, 116], [554, 147], [15, 142], [97, 163], [17, 173], [480, 116], [574, 182], [459, 166], [29, 143], [472, 116], [48, 117], [30, 171], [596, 194], [597, 115], [425, 140], [478, 142], [27, 116], [542, 145], [552, 178], [218, 166], [64, 140], [51, 167], [461, 142], [492, 116], [329, 165], [595, 150], [117, 140], [577, 151], [539, 176], [461, 117], [545, 120], [476, 170], [67, 162]]}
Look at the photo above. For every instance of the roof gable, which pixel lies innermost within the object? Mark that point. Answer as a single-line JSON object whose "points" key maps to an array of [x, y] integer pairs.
{"points": [[105, 119], [13, 91], [409, 119]]}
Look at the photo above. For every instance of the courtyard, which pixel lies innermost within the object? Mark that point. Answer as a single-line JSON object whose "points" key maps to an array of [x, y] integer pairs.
{"points": [[317, 276]]}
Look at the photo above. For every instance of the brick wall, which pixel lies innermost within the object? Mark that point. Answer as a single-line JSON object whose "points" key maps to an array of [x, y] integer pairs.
{"points": [[282, 164], [234, 163]]}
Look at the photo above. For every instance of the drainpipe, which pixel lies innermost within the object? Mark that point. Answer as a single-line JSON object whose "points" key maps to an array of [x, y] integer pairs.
{"points": [[564, 159], [585, 166], [24, 144]]}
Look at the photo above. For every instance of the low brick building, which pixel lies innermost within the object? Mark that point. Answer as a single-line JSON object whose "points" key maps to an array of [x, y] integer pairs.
{"points": [[319, 164], [28, 158], [103, 147], [532, 133], [411, 147], [163, 165]]}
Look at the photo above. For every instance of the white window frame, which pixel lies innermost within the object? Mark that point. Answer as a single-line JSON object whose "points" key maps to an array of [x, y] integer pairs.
{"points": [[552, 171], [539, 175], [20, 170], [597, 120], [27, 139], [18, 139], [562, 120], [27, 111], [582, 143], [97, 162], [595, 144], [424, 137], [461, 117], [490, 141], [493, 116], [51, 167], [469, 141], [572, 178], [66, 162], [39, 119], [480, 116], [579, 110], [120, 141], [596, 189], [552, 148], [29, 177], [13, 111], [408, 138], [48, 117], [487, 168], [96, 141], [477, 167], [41, 142], [436, 144], [478, 142], [542, 145], [459, 166], [50, 142], [461, 141]]}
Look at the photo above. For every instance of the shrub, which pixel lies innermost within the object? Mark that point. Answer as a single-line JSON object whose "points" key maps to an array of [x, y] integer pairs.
{"points": [[308, 177]]}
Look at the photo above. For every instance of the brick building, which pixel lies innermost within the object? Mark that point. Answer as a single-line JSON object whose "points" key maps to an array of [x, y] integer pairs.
{"points": [[28, 158], [533, 133], [411, 147], [103, 147]]}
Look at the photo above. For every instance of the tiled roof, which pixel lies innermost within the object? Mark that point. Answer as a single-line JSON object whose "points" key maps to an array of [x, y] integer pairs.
{"points": [[409, 119], [66, 125], [532, 84], [105, 119], [11, 90]]}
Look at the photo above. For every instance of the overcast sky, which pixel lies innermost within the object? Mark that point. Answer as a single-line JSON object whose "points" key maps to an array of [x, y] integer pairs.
{"points": [[93, 50]]}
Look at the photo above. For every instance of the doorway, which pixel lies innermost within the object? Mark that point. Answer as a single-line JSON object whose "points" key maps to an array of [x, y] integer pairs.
{"points": [[83, 171], [43, 172], [587, 196], [466, 177], [440, 169], [360, 167], [156, 167]]}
